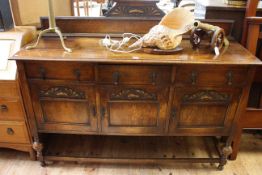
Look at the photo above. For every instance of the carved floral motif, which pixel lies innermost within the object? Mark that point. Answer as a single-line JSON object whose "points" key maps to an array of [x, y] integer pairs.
{"points": [[133, 94], [127, 10], [206, 95], [62, 92]]}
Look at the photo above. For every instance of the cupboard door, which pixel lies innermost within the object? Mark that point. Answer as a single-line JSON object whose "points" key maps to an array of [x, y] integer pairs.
{"points": [[137, 110], [203, 111], [63, 108]]}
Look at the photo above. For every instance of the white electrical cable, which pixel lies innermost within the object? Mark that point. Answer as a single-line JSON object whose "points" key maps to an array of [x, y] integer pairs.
{"points": [[119, 46]]}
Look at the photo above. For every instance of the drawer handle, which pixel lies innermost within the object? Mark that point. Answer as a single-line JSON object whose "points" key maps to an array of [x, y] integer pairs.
{"points": [[42, 72], [153, 78], [4, 108], [116, 78], [93, 110], [229, 78], [173, 113], [102, 112], [193, 77], [77, 73], [10, 131]]}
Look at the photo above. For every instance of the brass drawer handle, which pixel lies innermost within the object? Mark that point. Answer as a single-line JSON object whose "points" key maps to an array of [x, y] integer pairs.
{"points": [[77, 73], [42, 72], [193, 77], [10, 131], [153, 77], [102, 112], [229, 78], [116, 78], [3, 108]]}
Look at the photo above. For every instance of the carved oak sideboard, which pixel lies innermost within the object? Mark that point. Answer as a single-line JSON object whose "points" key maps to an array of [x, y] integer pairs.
{"points": [[96, 92]]}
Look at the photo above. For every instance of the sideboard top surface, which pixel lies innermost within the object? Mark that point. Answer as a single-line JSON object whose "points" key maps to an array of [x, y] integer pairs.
{"points": [[89, 50]]}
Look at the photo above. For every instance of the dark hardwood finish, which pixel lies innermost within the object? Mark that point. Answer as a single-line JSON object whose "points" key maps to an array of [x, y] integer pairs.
{"points": [[137, 150], [203, 111], [138, 8], [64, 107], [135, 94], [84, 26], [133, 109]]}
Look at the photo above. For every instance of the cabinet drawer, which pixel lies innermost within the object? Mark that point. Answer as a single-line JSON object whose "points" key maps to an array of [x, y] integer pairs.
{"points": [[11, 109], [60, 71], [13, 132], [8, 89], [211, 76], [134, 74]]}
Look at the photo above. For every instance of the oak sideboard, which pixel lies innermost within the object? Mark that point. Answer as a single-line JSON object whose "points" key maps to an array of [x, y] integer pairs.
{"points": [[75, 100]]}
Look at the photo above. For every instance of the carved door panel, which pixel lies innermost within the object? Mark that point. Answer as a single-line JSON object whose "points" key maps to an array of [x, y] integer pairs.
{"points": [[63, 108], [135, 110], [203, 111]]}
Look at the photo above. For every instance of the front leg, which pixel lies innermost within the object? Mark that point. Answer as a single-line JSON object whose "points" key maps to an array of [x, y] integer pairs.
{"points": [[38, 147], [225, 152]]}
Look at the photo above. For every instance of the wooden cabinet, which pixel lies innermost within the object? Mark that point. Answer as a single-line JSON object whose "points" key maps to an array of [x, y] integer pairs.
{"points": [[61, 107], [203, 111], [102, 93], [133, 109]]}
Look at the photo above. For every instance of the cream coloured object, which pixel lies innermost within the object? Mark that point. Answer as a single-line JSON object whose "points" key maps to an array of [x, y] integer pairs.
{"points": [[168, 33]]}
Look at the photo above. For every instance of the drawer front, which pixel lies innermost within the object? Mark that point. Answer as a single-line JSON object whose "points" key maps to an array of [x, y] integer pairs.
{"points": [[11, 109], [60, 71], [211, 76], [134, 74], [8, 89], [13, 132]]}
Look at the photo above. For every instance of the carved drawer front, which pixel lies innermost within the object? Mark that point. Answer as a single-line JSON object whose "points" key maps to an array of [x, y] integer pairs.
{"points": [[11, 109], [60, 71], [133, 110], [211, 76], [13, 132], [134, 74], [64, 108], [203, 111], [8, 89]]}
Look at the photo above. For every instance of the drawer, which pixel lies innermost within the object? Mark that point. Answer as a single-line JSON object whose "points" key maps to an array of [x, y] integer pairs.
{"points": [[211, 76], [11, 109], [134, 74], [13, 132], [8, 89], [60, 71]]}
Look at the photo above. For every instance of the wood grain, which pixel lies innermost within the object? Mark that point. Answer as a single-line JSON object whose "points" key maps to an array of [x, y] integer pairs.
{"points": [[248, 162]]}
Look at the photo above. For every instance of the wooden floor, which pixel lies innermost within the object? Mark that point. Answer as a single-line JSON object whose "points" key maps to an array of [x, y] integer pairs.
{"points": [[249, 162]]}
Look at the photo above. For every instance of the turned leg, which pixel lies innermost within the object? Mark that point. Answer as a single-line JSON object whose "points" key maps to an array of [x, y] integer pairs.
{"points": [[236, 144], [225, 152], [38, 147]]}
